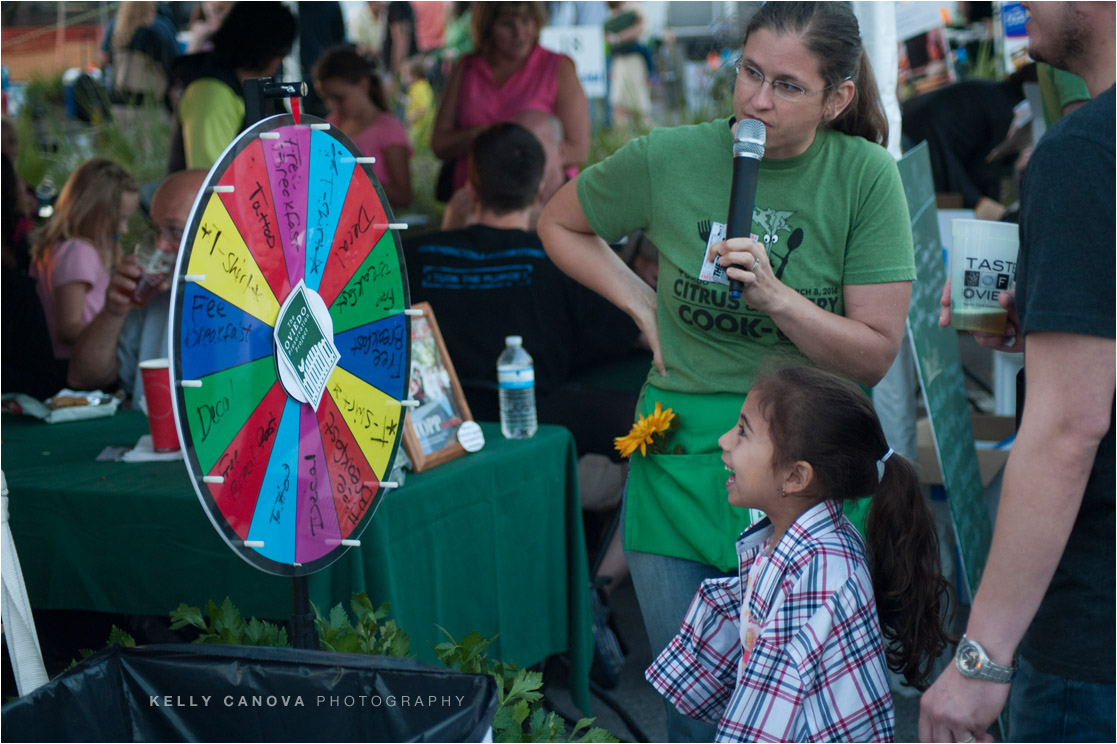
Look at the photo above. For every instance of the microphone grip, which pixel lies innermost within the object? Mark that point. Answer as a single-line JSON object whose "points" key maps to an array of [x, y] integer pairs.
{"points": [[742, 197]]}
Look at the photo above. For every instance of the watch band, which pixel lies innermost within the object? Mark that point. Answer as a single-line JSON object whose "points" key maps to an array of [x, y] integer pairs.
{"points": [[972, 661]]}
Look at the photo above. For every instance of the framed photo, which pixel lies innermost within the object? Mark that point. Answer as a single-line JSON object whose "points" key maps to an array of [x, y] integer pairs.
{"points": [[430, 432]]}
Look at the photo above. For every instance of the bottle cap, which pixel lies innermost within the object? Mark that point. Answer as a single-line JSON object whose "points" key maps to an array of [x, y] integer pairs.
{"points": [[514, 340]]}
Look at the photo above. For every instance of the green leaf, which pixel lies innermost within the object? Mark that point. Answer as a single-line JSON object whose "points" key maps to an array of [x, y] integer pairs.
{"points": [[504, 721], [186, 615], [281, 639], [121, 638], [526, 686], [581, 724], [545, 726], [520, 712], [228, 622], [339, 618], [595, 735]]}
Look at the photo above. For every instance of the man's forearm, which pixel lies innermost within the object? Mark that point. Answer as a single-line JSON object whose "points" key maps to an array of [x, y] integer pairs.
{"points": [[1070, 395]]}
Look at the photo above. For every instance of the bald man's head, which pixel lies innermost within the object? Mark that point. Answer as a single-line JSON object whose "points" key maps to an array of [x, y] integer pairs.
{"points": [[170, 207], [548, 130]]}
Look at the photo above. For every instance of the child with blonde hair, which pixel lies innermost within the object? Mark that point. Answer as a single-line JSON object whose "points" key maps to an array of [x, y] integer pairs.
{"points": [[74, 253]]}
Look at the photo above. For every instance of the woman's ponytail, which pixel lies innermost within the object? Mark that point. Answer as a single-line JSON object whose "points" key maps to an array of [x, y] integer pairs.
{"points": [[911, 593], [864, 116]]}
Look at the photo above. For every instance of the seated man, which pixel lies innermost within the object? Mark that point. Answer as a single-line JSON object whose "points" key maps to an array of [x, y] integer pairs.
{"points": [[548, 130], [119, 337], [493, 279]]}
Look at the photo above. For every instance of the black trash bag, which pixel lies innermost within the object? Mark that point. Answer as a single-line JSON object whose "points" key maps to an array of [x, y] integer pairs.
{"points": [[238, 693]]}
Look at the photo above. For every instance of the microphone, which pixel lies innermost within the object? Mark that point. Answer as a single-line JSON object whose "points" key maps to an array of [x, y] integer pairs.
{"points": [[748, 149]]}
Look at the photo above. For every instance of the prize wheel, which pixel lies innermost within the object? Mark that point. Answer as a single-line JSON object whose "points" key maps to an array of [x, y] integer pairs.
{"points": [[289, 344]]}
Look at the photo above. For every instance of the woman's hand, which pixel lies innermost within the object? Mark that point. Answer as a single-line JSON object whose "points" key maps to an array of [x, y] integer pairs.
{"points": [[860, 342], [644, 315], [746, 261]]}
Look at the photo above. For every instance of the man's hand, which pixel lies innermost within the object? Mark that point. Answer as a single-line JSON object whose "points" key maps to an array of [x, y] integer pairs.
{"points": [[125, 278], [1012, 340], [956, 708]]}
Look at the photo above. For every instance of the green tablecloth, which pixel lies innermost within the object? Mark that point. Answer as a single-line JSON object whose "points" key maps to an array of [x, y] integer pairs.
{"points": [[490, 542]]}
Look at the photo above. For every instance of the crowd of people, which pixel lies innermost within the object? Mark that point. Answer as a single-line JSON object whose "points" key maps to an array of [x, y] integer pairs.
{"points": [[783, 555]]}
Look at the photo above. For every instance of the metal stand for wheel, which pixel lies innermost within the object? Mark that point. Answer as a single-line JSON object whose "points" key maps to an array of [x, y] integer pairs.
{"points": [[257, 92]]}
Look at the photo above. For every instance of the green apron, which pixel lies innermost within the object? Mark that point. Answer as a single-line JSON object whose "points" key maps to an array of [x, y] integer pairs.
{"points": [[677, 505]]}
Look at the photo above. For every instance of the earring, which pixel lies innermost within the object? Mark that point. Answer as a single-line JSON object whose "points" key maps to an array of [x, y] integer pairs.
{"points": [[783, 492]]}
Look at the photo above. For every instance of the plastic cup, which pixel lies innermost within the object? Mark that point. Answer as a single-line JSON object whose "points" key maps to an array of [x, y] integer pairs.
{"points": [[160, 415], [982, 265], [155, 264]]}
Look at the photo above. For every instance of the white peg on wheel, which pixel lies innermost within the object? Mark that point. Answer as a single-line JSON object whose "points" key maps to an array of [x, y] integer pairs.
{"points": [[269, 135], [351, 543], [190, 383], [214, 479], [409, 403], [195, 278], [222, 189], [253, 543], [414, 313]]}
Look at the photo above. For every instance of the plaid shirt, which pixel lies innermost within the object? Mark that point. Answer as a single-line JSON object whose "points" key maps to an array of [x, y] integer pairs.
{"points": [[817, 671]]}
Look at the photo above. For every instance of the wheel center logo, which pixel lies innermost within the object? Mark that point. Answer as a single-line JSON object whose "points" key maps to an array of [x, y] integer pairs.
{"points": [[305, 351]]}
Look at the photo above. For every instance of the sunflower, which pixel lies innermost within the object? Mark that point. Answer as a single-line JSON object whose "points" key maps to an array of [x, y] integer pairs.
{"points": [[660, 420], [648, 430]]}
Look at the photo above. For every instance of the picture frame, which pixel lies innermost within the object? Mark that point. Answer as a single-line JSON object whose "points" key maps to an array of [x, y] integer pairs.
{"points": [[430, 429]]}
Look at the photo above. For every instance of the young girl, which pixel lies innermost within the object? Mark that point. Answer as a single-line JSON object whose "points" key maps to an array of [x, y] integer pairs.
{"points": [[74, 253], [355, 97], [794, 648]]}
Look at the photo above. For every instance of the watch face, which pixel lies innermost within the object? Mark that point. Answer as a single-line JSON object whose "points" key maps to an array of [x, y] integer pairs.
{"points": [[968, 659]]}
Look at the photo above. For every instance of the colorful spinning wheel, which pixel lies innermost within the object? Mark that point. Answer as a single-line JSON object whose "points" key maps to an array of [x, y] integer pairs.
{"points": [[290, 345]]}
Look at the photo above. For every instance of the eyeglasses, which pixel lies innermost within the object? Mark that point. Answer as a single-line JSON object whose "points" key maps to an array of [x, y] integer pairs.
{"points": [[782, 89], [171, 233]]}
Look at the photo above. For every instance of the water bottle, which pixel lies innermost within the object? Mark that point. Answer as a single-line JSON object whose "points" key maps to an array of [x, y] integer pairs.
{"points": [[516, 375], [44, 194]]}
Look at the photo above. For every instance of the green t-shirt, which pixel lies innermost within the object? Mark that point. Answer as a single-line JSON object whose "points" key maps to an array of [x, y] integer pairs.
{"points": [[211, 114], [1057, 88], [834, 215]]}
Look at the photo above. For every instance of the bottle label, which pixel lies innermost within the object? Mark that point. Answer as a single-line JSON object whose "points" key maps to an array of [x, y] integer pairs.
{"points": [[512, 377]]}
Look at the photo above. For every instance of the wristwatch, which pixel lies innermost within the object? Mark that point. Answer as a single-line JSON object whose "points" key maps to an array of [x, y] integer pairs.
{"points": [[973, 662]]}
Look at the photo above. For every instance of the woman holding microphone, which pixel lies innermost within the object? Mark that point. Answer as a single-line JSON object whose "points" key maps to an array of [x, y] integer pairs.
{"points": [[827, 281]]}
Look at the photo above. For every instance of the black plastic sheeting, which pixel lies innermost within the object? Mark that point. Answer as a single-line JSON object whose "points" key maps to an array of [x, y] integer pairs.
{"points": [[237, 693]]}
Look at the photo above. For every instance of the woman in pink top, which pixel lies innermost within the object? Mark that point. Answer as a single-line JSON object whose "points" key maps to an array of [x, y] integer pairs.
{"points": [[355, 97], [507, 74], [74, 253]]}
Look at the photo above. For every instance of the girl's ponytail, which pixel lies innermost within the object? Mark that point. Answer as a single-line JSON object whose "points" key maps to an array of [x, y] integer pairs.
{"points": [[903, 553], [828, 422]]}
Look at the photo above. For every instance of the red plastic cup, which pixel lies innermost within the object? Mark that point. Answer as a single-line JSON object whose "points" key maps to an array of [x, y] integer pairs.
{"points": [[160, 415]]}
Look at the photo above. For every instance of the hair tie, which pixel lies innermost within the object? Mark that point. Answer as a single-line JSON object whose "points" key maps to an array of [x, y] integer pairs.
{"points": [[880, 464]]}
